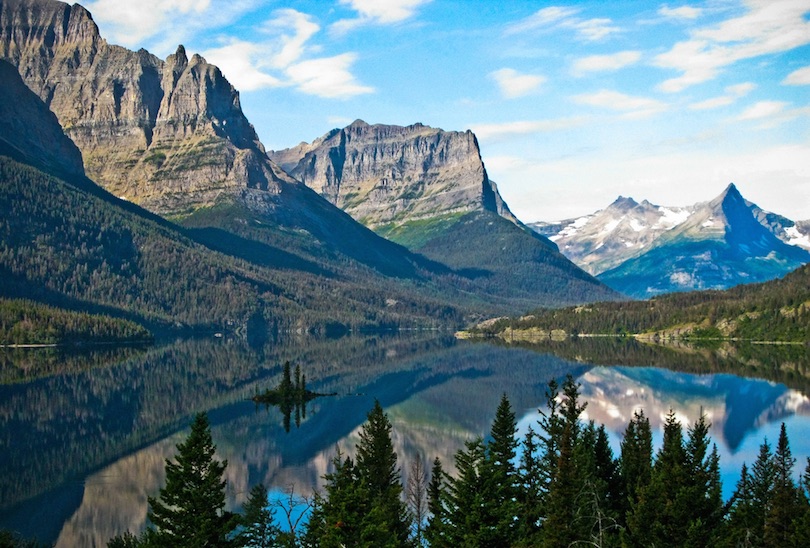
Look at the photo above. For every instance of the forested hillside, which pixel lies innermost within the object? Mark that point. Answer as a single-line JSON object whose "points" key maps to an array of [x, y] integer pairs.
{"points": [[25, 322], [772, 311]]}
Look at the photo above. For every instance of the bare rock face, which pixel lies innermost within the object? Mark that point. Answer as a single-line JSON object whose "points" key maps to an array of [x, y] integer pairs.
{"points": [[383, 175], [169, 135]]}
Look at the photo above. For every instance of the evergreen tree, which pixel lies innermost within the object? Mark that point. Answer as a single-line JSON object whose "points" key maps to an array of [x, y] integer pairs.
{"points": [[635, 461], [468, 516], [657, 519], [551, 428], [258, 528], [190, 509], [500, 476], [336, 515], [700, 501], [785, 502], [436, 530], [363, 505], [529, 491], [740, 529]]}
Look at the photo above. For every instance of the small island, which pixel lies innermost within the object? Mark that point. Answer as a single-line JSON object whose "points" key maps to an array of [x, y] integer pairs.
{"points": [[289, 396]]}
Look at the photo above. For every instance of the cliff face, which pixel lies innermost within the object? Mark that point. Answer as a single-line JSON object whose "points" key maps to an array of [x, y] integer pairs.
{"points": [[384, 174], [169, 135]]}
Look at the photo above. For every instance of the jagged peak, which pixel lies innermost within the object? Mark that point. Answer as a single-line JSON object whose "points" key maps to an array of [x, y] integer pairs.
{"points": [[624, 203], [358, 124]]}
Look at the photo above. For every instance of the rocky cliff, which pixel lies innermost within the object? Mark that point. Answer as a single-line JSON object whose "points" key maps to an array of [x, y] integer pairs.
{"points": [[388, 175], [169, 135]]}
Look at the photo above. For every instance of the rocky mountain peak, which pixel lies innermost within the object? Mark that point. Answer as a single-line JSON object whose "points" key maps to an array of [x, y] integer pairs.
{"points": [[169, 135], [389, 175], [624, 204]]}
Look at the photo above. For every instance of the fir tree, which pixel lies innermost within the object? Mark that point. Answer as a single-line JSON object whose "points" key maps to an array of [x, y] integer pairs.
{"points": [[529, 491], [190, 509], [500, 475], [785, 502], [436, 530], [258, 528]]}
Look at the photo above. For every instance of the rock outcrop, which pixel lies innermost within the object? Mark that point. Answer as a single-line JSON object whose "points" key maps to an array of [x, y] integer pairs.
{"points": [[389, 175], [169, 135]]}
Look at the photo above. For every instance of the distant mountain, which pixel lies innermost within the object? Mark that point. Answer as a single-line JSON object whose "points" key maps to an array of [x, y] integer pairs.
{"points": [[607, 238], [644, 250], [428, 190]]}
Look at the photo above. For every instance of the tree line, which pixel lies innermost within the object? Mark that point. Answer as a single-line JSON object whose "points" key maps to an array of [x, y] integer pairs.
{"points": [[778, 310], [26, 322], [558, 486]]}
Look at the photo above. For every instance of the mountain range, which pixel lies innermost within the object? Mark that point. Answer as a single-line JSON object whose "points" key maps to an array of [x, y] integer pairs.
{"points": [[643, 249], [137, 187]]}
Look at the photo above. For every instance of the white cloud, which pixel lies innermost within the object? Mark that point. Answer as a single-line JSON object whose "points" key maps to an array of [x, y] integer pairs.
{"points": [[162, 23], [799, 77], [377, 12], [590, 30], [614, 61], [682, 12], [633, 107], [770, 26], [284, 57], [238, 62], [513, 84], [524, 127], [292, 45], [327, 77], [732, 94], [763, 109]]}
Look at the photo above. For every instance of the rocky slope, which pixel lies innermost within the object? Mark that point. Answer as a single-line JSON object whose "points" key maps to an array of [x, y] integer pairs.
{"points": [[169, 135], [721, 244], [386, 176]]}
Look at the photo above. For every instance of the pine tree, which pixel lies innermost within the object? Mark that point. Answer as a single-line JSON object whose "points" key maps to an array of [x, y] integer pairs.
{"points": [[529, 491], [740, 529], [467, 514], [436, 530], [635, 461], [700, 501], [336, 515], [258, 529], [551, 428], [190, 509], [500, 477], [785, 503]]}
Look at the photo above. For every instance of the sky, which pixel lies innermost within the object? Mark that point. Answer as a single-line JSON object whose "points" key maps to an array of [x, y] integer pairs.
{"points": [[573, 104]]}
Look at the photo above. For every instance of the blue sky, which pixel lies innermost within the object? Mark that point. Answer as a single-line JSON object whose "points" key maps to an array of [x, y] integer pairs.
{"points": [[573, 103]]}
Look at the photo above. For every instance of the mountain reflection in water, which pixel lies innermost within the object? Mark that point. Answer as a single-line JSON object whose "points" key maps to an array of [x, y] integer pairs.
{"points": [[96, 439]]}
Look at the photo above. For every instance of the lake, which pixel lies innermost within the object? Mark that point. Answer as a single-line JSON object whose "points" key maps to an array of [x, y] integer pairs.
{"points": [[84, 436]]}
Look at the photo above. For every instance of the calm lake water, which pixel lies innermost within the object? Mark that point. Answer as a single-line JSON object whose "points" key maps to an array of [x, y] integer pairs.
{"points": [[80, 450]]}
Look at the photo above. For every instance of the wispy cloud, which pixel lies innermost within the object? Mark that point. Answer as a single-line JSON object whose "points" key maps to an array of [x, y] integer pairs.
{"points": [[327, 77], [682, 12], [732, 94], [602, 63], [514, 84], [377, 12], [525, 127], [162, 24], [590, 30], [799, 77], [763, 109], [631, 106], [285, 56], [769, 26]]}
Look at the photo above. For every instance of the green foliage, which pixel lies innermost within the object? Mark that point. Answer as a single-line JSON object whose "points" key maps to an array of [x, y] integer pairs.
{"points": [[363, 505], [257, 528], [778, 310], [26, 322], [190, 509]]}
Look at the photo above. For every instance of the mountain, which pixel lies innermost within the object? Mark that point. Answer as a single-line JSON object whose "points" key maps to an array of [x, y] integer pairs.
{"points": [[720, 245], [643, 249], [67, 242], [169, 135], [390, 177], [607, 238]]}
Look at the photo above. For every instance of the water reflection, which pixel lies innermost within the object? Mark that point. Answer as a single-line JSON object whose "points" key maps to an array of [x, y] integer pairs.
{"points": [[83, 450]]}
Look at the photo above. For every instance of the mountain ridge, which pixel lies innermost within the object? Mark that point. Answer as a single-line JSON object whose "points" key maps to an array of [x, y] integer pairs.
{"points": [[711, 245]]}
